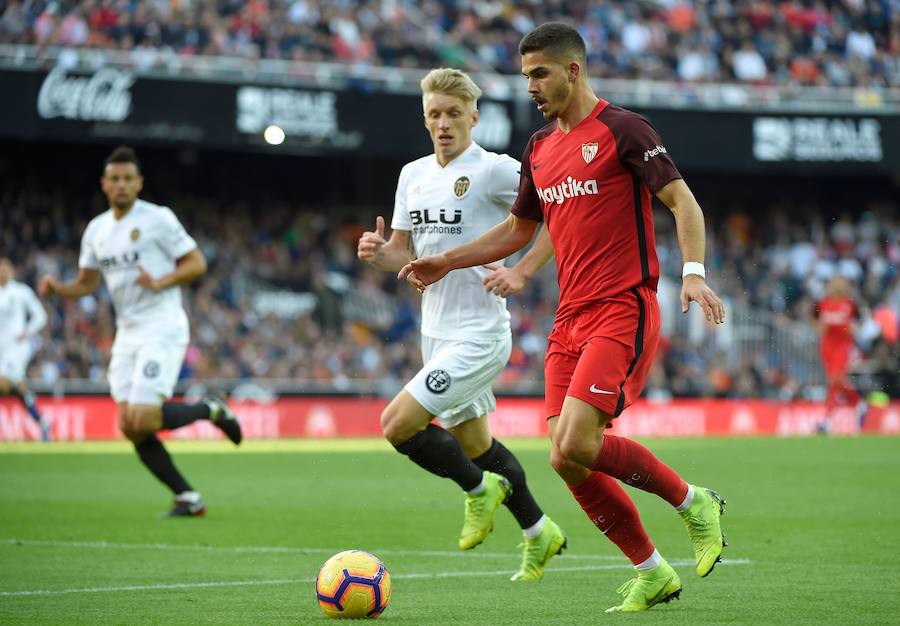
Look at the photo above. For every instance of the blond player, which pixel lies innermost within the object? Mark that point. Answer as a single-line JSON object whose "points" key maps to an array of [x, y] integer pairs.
{"points": [[443, 200]]}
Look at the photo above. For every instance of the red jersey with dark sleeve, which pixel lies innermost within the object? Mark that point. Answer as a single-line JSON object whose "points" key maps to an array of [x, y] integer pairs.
{"points": [[836, 316], [593, 189]]}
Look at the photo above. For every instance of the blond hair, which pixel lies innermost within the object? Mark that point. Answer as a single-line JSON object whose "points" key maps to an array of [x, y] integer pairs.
{"points": [[451, 82]]}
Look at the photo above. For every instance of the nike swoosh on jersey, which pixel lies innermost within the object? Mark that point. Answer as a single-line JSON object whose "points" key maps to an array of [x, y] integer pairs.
{"points": [[602, 391]]}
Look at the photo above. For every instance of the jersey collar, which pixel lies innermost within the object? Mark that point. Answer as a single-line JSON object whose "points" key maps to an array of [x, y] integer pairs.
{"points": [[465, 154], [598, 108]]}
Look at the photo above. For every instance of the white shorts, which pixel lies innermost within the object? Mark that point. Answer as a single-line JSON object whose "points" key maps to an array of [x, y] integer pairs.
{"points": [[14, 361], [144, 369], [454, 385]]}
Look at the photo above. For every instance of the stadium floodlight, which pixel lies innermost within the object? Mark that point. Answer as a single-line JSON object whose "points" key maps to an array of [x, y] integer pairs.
{"points": [[274, 135]]}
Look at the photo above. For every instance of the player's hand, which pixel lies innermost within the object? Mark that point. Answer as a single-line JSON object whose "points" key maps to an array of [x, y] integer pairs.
{"points": [[425, 271], [503, 281], [48, 285], [146, 281], [370, 243], [694, 288]]}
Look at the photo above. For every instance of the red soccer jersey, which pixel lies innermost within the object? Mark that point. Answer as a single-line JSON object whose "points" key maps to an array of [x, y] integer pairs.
{"points": [[836, 315], [593, 188]]}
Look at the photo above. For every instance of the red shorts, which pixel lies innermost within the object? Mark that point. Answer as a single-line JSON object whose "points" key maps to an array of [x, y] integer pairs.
{"points": [[603, 354], [836, 357]]}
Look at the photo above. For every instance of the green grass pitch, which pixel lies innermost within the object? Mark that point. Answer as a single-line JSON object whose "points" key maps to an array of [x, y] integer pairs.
{"points": [[813, 527]]}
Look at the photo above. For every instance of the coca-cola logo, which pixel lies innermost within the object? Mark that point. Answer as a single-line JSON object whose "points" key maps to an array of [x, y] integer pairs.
{"points": [[103, 97]]}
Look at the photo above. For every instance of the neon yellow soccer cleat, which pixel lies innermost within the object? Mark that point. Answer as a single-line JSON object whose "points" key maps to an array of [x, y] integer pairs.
{"points": [[480, 510], [655, 586], [540, 550], [702, 521]]}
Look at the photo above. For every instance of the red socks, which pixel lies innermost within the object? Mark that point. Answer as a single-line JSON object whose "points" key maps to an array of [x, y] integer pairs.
{"points": [[840, 394], [611, 510], [635, 465]]}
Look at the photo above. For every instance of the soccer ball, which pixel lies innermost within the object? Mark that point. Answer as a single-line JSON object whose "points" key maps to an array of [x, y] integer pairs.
{"points": [[353, 584]]}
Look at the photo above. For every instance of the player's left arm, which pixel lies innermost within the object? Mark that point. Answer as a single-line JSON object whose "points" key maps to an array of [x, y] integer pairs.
{"points": [[187, 269], [691, 229], [506, 281]]}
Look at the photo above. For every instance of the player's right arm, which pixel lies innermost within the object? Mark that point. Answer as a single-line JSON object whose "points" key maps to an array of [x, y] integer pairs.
{"points": [[388, 255], [507, 237], [85, 284], [505, 281]]}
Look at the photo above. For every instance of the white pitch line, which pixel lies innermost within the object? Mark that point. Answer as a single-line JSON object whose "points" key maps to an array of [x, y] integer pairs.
{"points": [[302, 581], [277, 549], [112, 545]]}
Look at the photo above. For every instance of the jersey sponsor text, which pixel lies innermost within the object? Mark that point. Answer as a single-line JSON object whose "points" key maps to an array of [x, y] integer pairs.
{"points": [[569, 188]]}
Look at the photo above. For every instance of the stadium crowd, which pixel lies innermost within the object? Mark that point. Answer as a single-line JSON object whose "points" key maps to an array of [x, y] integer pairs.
{"points": [[781, 42], [357, 326]]}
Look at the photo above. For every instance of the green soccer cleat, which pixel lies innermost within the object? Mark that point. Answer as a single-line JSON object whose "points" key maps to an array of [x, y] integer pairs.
{"points": [[702, 521], [539, 550], [480, 510], [655, 586]]}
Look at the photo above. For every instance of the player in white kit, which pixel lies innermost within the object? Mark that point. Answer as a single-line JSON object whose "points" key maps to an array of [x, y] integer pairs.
{"points": [[21, 317], [144, 254], [442, 200]]}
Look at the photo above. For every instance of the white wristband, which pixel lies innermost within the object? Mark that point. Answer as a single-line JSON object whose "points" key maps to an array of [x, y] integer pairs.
{"points": [[692, 267]]}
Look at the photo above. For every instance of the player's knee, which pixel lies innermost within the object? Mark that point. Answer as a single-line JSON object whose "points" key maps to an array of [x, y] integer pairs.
{"points": [[129, 430], [474, 448], [136, 423], [576, 448], [395, 427], [571, 473]]}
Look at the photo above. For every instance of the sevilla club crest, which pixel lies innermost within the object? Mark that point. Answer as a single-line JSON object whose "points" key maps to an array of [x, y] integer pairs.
{"points": [[588, 151]]}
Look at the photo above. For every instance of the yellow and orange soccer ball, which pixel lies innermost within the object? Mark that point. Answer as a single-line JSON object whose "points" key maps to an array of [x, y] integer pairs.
{"points": [[353, 584]]}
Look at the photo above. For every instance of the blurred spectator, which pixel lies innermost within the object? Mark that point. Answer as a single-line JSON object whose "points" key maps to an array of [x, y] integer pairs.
{"points": [[778, 42]]}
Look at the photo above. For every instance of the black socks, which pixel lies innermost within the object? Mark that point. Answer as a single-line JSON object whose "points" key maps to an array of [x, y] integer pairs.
{"points": [[437, 451], [520, 502], [155, 456], [175, 414]]}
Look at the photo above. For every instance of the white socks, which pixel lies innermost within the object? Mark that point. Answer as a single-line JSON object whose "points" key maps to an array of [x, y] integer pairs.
{"points": [[652, 561], [688, 499], [534, 530], [477, 491], [188, 496]]}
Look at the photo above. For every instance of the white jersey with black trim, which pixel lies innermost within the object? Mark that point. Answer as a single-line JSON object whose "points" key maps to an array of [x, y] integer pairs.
{"points": [[444, 207], [21, 314], [148, 236]]}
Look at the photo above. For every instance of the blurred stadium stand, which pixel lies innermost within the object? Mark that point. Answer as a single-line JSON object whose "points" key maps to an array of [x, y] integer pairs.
{"points": [[784, 117], [287, 303]]}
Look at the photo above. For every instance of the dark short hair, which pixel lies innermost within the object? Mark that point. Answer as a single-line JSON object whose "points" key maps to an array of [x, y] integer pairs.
{"points": [[123, 154], [556, 38]]}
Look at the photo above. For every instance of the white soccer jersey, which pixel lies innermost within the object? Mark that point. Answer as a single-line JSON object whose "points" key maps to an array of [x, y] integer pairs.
{"points": [[149, 236], [444, 207], [20, 312]]}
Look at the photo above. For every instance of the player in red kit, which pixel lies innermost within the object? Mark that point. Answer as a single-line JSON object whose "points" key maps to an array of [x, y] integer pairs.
{"points": [[835, 315], [590, 175]]}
